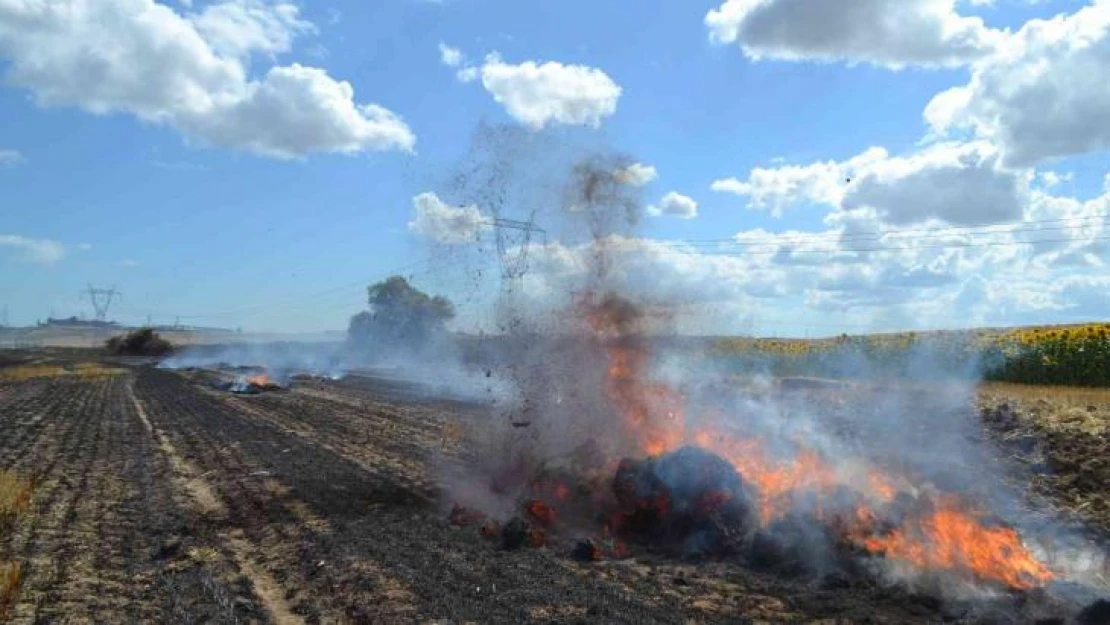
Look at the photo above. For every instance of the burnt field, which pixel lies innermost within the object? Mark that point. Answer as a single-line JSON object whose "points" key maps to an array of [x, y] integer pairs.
{"points": [[159, 498]]}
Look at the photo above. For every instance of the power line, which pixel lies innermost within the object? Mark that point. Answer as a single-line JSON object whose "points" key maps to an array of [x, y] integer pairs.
{"points": [[928, 232], [239, 312], [773, 252], [350, 285]]}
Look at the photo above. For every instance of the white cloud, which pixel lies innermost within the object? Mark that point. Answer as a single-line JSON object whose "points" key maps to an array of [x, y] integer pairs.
{"points": [[1042, 95], [295, 110], [891, 33], [190, 72], [538, 95], [41, 251], [859, 272], [451, 57], [637, 174], [675, 205], [777, 188], [959, 183], [1051, 179], [444, 223], [11, 158], [240, 27]]}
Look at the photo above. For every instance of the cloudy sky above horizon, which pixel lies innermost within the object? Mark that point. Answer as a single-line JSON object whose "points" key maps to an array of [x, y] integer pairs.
{"points": [[803, 167]]}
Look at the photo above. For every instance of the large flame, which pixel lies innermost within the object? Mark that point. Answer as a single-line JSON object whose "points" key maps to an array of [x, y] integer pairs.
{"points": [[955, 540], [260, 379], [945, 537]]}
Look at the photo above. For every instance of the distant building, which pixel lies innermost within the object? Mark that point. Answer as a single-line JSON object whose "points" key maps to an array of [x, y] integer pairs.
{"points": [[74, 322]]}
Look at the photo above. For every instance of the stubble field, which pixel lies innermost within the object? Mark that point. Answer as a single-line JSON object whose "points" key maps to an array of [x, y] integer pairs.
{"points": [[156, 498]]}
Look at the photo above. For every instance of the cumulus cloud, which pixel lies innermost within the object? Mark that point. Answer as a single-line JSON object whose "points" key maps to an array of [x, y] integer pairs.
{"points": [[11, 158], [675, 204], [41, 251], [542, 94], [777, 188], [637, 174], [890, 33], [451, 57], [191, 72], [443, 223], [241, 27], [1042, 95], [959, 183], [861, 271]]}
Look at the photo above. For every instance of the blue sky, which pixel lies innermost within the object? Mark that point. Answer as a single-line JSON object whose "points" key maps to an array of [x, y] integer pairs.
{"points": [[209, 163]]}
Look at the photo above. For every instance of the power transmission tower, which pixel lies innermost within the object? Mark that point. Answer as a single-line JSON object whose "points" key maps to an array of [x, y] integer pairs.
{"points": [[101, 300], [514, 238]]}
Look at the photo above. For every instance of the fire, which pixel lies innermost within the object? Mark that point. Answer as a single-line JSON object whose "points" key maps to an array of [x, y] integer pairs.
{"points": [[260, 379], [954, 540], [944, 537], [652, 412]]}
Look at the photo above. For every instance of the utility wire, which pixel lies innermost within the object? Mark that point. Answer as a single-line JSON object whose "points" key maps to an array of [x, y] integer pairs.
{"points": [[970, 230], [773, 252]]}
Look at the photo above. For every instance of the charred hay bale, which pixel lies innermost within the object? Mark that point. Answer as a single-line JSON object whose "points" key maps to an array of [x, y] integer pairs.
{"points": [[690, 499], [1097, 613], [514, 534], [798, 545]]}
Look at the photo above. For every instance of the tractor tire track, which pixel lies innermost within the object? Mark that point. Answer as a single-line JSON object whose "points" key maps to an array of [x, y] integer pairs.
{"points": [[102, 505]]}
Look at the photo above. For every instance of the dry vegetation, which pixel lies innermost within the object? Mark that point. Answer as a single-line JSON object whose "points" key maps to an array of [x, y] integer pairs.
{"points": [[23, 373], [15, 499]]}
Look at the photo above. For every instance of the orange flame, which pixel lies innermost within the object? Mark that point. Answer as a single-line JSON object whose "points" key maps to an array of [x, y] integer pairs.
{"points": [[944, 538], [259, 380], [652, 412], [954, 540]]}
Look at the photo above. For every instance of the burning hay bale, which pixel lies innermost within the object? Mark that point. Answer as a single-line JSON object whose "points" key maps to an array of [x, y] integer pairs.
{"points": [[691, 499]]}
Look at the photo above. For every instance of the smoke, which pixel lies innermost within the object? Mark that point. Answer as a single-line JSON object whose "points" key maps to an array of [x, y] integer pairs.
{"points": [[436, 371], [282, 360], [863, 467]]}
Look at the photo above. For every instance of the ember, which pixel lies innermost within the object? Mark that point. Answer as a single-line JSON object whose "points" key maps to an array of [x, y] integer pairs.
{"points": [[689, 498], [249, 384], [541, 512], [464, 517]]}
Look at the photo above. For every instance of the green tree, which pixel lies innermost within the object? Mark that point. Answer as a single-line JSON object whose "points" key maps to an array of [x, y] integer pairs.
{"points": [[400, 317]]}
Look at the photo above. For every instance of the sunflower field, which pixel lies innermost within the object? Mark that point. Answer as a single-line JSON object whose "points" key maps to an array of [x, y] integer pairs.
{"points": [[1061, 355]]}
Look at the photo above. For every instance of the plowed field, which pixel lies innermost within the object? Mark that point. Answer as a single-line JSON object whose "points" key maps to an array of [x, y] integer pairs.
{"points": [[158, 499]]}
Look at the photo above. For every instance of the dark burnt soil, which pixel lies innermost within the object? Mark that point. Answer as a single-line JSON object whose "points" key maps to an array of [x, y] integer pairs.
{"points": [[162, 500], [1063, 442]]}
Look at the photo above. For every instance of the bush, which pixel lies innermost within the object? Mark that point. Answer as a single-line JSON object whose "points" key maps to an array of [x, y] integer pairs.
{"points": [[141, 342]]}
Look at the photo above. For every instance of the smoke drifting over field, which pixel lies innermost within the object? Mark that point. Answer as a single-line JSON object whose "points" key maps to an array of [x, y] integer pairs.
{"points": [[439, 372], [608, 425], [894, 480]]}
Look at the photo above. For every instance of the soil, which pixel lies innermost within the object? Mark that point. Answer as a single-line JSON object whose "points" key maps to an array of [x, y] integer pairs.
{"points": [[1062, 438], [160, 499]]}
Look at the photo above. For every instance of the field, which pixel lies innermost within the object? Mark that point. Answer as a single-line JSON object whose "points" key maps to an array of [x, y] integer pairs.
{"points": [[1076, 355], [155, 498]]}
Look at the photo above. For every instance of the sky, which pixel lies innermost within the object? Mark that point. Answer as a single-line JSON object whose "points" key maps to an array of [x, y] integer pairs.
{"points": [[806, 167]]}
